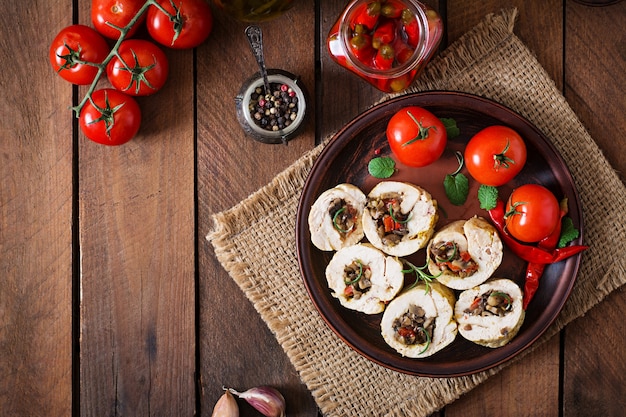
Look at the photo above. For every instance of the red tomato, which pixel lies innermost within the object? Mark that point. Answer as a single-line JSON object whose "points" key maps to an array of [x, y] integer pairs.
{"points": [[188, 26], [110, 117], [416, 136], [118, 13], [495, 155], [139, 69], [72, 48], [532, 213]]}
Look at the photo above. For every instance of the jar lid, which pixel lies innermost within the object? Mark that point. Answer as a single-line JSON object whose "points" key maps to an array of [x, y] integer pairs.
{"points": [[247, 106]]}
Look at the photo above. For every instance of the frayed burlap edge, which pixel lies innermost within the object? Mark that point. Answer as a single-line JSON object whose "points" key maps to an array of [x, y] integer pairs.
{"points": [[494, 33]]}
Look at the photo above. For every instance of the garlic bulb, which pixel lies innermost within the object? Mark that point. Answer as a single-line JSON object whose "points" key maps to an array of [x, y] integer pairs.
{"points": [[268, 400], [226, 406]]}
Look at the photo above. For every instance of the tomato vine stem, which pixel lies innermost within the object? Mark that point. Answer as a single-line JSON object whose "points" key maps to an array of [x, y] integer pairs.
{"points": [[114, 51]]}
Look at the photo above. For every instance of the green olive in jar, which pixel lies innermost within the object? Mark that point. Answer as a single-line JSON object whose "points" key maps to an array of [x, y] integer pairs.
{"points": [[254, 10]]}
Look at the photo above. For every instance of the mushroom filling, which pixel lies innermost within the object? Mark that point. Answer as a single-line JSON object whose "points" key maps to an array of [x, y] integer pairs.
{"points": [[448, 257], [344, 215], [413, 327], [491, 303], [358, 279], [391, 223]]}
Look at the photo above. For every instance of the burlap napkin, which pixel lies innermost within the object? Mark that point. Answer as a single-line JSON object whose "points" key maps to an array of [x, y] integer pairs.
{"points": [[489, 61]]}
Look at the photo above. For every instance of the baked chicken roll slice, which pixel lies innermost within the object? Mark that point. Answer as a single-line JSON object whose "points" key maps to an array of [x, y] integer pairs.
{"points": [[399, 217], [335, 218], [363, 278], [490, 314], [464, 254], [420, 322]]}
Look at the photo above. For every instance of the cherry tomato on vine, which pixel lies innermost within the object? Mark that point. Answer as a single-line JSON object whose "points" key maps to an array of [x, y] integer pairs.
{"points": [[416, 136], [140, 68], [116, 12], [532, 213], [191, 23], [72, 48], [110, 117], [495, 155]]}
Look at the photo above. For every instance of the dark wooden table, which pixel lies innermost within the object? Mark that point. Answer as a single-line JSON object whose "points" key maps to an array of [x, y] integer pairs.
{"points": [[112, 302]]}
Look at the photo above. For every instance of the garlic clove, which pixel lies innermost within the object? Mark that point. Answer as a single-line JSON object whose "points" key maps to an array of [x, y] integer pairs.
{"points": [[267, 400], [226, 406]]}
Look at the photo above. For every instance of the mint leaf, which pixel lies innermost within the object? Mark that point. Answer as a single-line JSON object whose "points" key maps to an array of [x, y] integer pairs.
{"points": [[451, 129], [457, 188], [381, 167], [568, 232], [456, 184], [487, 196]]}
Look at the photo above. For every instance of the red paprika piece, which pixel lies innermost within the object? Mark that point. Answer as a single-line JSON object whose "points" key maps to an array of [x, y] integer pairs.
{"points": [[537, 256]]}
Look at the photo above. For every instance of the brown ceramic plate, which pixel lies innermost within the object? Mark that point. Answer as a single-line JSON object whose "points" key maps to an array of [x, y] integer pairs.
{"points": [[345, 159]]}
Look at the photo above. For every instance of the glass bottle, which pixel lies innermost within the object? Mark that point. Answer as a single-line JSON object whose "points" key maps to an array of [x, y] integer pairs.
{"points": [[386, 42]]}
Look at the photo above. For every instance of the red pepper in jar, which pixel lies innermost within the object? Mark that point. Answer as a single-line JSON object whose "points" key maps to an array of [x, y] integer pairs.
{"points": [[403, 51], [385, 33], [411, 28], [361, 45], [375, 18], [367, 15], [384, 57]]}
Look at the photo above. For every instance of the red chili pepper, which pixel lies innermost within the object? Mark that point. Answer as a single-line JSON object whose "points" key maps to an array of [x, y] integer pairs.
{"points": [[367, 15], [385, 33], [535, 270], [529, 253], [536, 256], [384, 57]]}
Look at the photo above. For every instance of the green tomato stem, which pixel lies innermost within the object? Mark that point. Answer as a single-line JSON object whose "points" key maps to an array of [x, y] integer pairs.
{"points": [[114, 51]]}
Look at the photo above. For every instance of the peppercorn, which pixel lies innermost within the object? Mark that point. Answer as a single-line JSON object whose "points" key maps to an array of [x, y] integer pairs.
{"points": [[276, 109]]}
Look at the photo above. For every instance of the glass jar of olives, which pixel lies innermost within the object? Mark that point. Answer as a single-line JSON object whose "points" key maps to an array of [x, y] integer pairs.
{"points": [[386, 42], [254, 10]]}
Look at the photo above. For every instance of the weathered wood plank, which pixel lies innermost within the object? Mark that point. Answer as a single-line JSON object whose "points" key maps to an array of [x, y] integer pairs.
{"points": [[230, 352], [596, 74], [595, 77], [137, 258], [531, 381], [35, 217]]}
